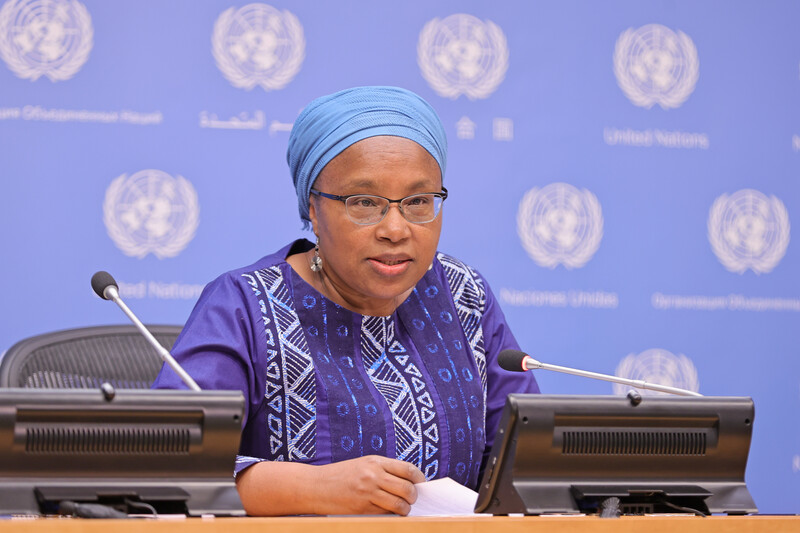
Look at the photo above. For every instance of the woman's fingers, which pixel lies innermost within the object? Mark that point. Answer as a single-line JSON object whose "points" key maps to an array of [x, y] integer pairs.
{"points": [[403, 470], [389, 502], [396, 486], [369, 485]]}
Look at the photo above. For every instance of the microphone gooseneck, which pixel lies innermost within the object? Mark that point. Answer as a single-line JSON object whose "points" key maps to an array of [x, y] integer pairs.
{"points": [[517, 361], [104, 285]]}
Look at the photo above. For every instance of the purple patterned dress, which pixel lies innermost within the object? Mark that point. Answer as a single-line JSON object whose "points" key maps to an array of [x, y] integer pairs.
{"points": [[323, 384]]}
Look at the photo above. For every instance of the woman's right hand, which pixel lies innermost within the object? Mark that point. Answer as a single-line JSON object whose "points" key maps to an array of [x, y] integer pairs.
{"points": [[365, 485]]}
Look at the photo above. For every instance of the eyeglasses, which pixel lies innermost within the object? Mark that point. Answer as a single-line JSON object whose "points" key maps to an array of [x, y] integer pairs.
{"points": [[367, 209]]}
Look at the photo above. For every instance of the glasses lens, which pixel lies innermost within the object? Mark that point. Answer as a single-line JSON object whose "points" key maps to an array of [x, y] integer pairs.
{"points": [[421, 208], [366, 209]]}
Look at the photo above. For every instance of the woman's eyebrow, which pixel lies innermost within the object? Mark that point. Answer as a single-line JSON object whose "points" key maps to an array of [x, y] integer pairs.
{"points": [[363, 184]]}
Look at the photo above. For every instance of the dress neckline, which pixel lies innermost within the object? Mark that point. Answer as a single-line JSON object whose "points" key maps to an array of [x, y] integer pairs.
{"points": [[302, 245]]}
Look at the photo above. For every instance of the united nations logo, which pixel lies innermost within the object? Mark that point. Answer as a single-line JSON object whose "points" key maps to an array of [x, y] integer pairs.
{"points": [[50, 38], [655, 65], [560, 224], [658, 367], [462, 55], [258, 45], [151, 212], [748, 230]]}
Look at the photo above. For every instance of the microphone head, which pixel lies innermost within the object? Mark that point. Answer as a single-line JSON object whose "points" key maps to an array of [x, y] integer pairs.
{"points": [[511, 360], [102, 280], [66, 507]]}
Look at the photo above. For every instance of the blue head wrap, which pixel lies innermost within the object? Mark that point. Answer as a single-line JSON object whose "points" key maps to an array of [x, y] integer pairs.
{"points": [[330, 124]]}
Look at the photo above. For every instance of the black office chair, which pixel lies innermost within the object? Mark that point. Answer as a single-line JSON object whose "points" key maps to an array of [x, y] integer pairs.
{"points": [[85, 358]]}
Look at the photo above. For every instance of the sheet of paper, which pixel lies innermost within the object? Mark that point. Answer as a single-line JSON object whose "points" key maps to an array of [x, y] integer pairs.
{"points": [[443, 497]]}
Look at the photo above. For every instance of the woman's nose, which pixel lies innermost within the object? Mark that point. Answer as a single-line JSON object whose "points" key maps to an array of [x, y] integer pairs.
{"points": [[394, 225]]}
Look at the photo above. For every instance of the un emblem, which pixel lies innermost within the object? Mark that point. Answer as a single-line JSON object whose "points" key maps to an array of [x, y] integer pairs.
{"points": [[655, 65], [258, 45], [560, 224], [660, 367], [50, 38], [151, 212], [748, 230], [462, 55]]}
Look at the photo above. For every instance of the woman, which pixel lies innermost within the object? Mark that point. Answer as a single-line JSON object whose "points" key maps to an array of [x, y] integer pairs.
{"points": [[366, 359]]}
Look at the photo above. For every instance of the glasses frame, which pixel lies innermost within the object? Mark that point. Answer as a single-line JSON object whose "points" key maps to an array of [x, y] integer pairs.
{"points": [[443, 195]]}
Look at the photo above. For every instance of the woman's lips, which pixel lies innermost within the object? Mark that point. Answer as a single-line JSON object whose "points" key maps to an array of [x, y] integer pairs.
{"points": [[390, 266]]}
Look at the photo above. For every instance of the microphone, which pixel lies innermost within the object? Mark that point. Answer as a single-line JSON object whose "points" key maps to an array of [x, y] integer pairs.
{"points": [[88, 510], [106, 288], [517, 361]]}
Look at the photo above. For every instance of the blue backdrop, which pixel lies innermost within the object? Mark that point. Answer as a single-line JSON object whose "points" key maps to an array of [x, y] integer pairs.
{"points": [[623, 173]]}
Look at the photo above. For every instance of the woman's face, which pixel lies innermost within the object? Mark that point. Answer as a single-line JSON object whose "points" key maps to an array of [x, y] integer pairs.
{"points": [[373, 268]]}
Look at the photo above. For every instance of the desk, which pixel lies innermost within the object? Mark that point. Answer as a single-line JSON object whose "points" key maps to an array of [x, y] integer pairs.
{"points": [[397, 524]]}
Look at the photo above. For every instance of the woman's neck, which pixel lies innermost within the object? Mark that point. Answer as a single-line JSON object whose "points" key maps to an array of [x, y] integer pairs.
{"points": [[301, 264]]}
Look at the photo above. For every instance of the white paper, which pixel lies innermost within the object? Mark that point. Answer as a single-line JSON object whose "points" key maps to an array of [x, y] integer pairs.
{"points": [[443, 497]]}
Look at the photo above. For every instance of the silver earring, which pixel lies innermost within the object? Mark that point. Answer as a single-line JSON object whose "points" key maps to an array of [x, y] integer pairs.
{"points": [[316, 261]]}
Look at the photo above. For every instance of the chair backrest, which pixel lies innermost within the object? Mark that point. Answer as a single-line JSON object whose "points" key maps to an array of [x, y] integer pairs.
{"points": [[85, 358]]}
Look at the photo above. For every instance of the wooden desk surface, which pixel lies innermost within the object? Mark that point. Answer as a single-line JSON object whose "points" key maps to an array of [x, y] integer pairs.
{"points": [[396, 524]]}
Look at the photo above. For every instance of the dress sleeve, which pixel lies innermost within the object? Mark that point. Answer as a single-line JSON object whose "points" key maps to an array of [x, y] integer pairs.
{"points": [[500, 383], [215, 347], [216, 344]]}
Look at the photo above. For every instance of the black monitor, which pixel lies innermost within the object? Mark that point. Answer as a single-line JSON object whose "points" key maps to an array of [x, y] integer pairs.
{"points": [[173, 450], [574, 454]]}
